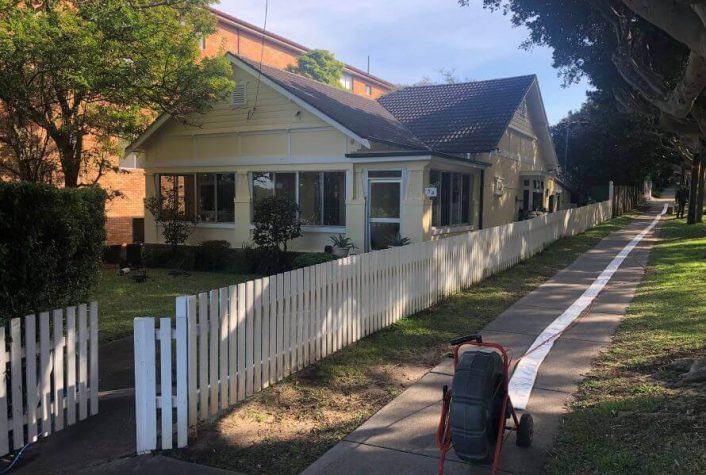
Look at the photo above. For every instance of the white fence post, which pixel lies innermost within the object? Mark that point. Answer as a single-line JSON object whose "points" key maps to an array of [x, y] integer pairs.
{"points": [[145, 385]]}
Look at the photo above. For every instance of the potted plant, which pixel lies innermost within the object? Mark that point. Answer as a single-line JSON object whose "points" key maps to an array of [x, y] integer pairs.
{"points": [[399, 241], [341, 245]]}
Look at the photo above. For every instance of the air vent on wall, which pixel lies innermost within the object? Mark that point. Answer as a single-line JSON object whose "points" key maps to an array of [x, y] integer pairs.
{"points": [[239, 95]]}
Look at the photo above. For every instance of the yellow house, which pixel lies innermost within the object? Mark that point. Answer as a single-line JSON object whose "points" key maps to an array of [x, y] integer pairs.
{"points": [[423, 162]]}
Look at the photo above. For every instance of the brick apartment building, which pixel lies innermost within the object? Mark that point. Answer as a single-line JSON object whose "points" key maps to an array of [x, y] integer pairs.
{"points": [[125, 214]]}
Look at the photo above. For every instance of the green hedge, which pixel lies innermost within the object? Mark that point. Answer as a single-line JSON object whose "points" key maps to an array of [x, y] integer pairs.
{"points": [[51, 244], [216, 256]]}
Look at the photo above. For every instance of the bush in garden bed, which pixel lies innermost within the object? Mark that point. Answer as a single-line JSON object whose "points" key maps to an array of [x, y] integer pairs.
{"points": [[311, 259], [216, 256], [51, 246]]}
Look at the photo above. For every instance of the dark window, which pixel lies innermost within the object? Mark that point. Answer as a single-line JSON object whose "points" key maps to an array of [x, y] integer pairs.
{"points": [[181, 188], [452, 204], [215, 197], [321, 196]]}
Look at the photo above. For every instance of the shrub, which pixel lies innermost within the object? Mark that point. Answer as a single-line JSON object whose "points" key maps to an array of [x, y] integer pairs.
{"points": [[213, 255], [311, 259], [176, 225], [51, 245], [276, 222]]}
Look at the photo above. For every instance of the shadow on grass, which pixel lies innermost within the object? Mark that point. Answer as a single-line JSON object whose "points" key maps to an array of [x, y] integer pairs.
{"points": [[629, 415]]}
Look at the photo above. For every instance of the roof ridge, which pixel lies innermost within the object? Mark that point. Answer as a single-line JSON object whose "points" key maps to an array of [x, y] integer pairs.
{"points": [[418, 86], [334, 88]]}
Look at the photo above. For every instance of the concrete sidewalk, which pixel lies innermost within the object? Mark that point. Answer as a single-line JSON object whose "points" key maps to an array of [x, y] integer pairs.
{"points": [[400, 437]]}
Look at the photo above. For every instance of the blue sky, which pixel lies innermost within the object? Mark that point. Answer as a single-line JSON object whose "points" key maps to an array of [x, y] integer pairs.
{"points": [[411, 39]]}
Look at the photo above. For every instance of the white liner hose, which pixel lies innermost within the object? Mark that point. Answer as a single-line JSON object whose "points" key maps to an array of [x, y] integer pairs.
{"points": [[522, 380]]}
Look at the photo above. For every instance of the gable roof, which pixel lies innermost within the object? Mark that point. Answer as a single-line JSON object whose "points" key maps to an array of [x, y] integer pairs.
{"points": [[466, 117], [364, 117]]}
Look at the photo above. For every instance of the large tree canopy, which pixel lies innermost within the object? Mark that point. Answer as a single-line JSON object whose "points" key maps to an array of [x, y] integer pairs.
{"points": [[604, 145], [85, 72], [649, 54]]}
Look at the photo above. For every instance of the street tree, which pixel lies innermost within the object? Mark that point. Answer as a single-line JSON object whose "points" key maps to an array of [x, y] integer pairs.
{"points": [[87, 73], [320, 65]]}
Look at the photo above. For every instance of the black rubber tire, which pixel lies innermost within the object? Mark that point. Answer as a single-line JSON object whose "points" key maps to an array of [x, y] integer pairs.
{"points": [[478, 390], [525, 431]]}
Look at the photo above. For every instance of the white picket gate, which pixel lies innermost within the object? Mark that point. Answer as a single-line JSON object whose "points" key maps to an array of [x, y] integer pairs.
{"points": [[234, 341], [50, 373]]}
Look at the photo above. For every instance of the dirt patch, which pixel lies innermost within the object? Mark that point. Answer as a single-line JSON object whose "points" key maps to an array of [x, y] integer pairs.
{"points": [[285, 427]]}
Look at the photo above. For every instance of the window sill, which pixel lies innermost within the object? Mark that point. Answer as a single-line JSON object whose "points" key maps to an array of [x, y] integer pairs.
{"points": [[455, 228], [319, 229], [216, 225]]}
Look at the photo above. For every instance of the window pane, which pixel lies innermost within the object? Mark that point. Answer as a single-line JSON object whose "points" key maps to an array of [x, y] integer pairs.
{"points": [[466, 200], [385, 200], [384, 173], [206, 183], [435, 209], [181, 188], [335, 199], [262, 185], [445, 199], [456, 198], [285, 185], [381, 234], [224, 197], [310, 197]]}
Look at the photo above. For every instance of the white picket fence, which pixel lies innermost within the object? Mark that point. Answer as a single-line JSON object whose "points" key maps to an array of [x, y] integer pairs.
{"points": [[50, 368], [235, 341]]}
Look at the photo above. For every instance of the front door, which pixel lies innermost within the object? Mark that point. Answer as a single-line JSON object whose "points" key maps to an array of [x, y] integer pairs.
{"points": [[384, 211]]}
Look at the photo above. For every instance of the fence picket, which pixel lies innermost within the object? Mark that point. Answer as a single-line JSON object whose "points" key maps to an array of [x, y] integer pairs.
{"points": [[265, 299], [71, 365], [280, 326], [82, 362], [273, 330], [203, 356], [45, 375], [145, 385], [241, 342], [223, 347], [58, 355], [257, 337], [165, 380], [233, 344], [93, 368], [249, 337], [16, 375], [31, 375], [213, 327], [182, 370], [4, 439]]}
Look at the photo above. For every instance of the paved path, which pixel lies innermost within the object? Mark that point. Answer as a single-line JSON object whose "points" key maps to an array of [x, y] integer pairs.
{"points": [[400, 437]]}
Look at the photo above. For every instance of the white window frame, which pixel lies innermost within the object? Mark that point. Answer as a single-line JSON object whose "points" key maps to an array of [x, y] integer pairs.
{"points": [[330, 228], [347, 78]]}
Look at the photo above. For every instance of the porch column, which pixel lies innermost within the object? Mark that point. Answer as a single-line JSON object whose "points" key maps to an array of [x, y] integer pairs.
{"points": [[241, 233], [413, 215], [355, 208]]}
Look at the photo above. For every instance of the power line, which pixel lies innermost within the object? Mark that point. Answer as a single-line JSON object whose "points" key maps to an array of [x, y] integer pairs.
{"points": [[259, 69]]}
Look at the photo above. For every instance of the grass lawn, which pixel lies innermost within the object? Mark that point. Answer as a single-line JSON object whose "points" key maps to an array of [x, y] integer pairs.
{"points": [[288, 426], [632, 415], [120, 299]]}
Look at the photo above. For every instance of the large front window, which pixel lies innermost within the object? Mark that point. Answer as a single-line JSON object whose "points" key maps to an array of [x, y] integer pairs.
{"points": [[208, 197], [321, 196], [452, 204]]}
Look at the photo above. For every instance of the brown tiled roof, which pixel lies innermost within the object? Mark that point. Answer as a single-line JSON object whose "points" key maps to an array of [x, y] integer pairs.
{"points": [[466, 117], [365, 117]]}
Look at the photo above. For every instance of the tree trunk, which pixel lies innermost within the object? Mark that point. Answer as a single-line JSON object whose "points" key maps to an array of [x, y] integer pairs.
{"points": [[694, 189], [701, 193], [70, 164]]}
